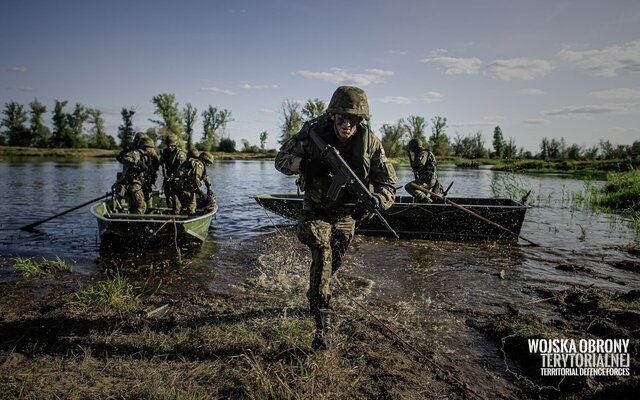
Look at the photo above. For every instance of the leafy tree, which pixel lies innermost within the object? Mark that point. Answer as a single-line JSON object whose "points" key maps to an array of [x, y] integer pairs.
{"points": [[263, 140], [499, 144], [439, 141], [415, 127], [477, 146], [574, 152], [248, 147], [167, 109], [510, 149], [313, 109], [544, 148], [213, 120], [292, 120], [392, 137], [125, 131], [60, 124], [227, 145], [190, 115], [98, 138], [75, 138], [41, 134], [14, 119]]}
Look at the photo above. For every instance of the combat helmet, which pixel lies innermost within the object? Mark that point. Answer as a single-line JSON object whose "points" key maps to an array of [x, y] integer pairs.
{"points": [[171, 140], [138, 137], [193, 153], [146, 141], [349, 100], [414, 144], [206, 157]]}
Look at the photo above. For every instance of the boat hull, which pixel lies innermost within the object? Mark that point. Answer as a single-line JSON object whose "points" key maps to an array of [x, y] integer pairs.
{"points": [[434, 221], [153, 228]]}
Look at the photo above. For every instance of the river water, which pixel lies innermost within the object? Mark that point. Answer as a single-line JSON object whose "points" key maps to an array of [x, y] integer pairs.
{"points": [[431, 284]]}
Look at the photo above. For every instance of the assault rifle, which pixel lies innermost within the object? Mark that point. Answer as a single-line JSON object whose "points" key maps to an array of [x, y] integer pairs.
{"points": [[343, 176]]}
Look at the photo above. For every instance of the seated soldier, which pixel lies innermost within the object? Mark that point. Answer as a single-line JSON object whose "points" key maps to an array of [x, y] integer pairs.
{"points": [[424, 168], [190, 176]]}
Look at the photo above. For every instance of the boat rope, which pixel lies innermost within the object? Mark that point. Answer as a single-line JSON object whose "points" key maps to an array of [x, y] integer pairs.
{"points": [[448, 377]]}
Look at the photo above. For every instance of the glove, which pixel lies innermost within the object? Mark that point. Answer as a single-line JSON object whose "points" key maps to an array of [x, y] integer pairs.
{"points": [[313, 167], [361, 212]]}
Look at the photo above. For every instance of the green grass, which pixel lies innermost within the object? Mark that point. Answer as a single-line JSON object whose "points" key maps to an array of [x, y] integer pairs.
{"points": [[30, 268], [116, 294]]}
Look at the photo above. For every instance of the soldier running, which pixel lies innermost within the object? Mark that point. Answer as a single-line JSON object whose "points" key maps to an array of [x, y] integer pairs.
{"points": [[327, 226]]}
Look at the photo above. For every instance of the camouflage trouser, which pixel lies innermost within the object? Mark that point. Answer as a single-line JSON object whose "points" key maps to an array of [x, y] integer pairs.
{"points": [[188, 203], [434, 186], [137, 201], [328, 240], [171, 194]]}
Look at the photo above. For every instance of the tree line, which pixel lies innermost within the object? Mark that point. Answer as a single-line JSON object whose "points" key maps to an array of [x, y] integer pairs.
{"points": [[83, 127]]}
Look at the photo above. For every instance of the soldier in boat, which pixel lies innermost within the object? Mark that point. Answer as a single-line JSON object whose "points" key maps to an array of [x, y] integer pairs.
{"points": [[171, 159], [139, 173], [424, 167], [189, 180]]}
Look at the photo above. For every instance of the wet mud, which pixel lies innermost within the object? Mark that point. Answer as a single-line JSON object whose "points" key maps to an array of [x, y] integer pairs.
{"points": [[230, 320]]}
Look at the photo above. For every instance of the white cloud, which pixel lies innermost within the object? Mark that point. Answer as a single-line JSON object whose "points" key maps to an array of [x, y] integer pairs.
{"points": [[16, 68], [258, 87], [618, 93], [392, 100], [217, 90], [452, 65], [587, 110], [536, 121], [268, 111], [340, 76], [519, 68], [606, 61], [494, 118], [431, 97], [399, 52], [26, 88], [530, 92]]}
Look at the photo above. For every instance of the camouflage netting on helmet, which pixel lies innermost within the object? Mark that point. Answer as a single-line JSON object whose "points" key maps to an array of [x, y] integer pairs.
{"points": [[171, 140], [349, 100], [414, 144], [206, 157], [146, 142]]}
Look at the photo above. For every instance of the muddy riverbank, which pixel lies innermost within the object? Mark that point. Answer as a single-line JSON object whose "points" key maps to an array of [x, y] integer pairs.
{"points": [[197, 331]]}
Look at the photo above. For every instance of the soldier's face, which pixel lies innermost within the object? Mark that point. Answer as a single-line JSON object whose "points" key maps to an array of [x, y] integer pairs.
{"points": [[345, 126]]}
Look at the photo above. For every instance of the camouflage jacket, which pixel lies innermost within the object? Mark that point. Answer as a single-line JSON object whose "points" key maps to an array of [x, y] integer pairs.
{"points": [[190, 175], [363, 153], [140, 166], [424, 166], [171, 161]]}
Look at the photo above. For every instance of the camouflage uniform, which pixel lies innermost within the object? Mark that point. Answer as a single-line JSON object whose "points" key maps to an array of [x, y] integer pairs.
{"points": [[327, 226], [140, 171], [424, 167], [171, 159], [188, 183]]}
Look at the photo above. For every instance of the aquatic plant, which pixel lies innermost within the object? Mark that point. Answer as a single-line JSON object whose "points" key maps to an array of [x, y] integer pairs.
{"points": [[583, 233], [30, 268], [622, 191], [509, 185], [116, 294]]}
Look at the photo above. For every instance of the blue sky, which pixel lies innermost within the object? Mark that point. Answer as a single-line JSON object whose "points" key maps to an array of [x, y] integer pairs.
{"points": [[537, 68]]}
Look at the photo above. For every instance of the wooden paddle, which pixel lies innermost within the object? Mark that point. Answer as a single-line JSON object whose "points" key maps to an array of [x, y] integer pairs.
{"points": [[480, 217], [34, 224]]}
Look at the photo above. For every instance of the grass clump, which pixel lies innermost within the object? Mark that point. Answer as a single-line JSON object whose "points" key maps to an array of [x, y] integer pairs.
{"points": [[30, 268], [116, 294], [622, 191]]}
